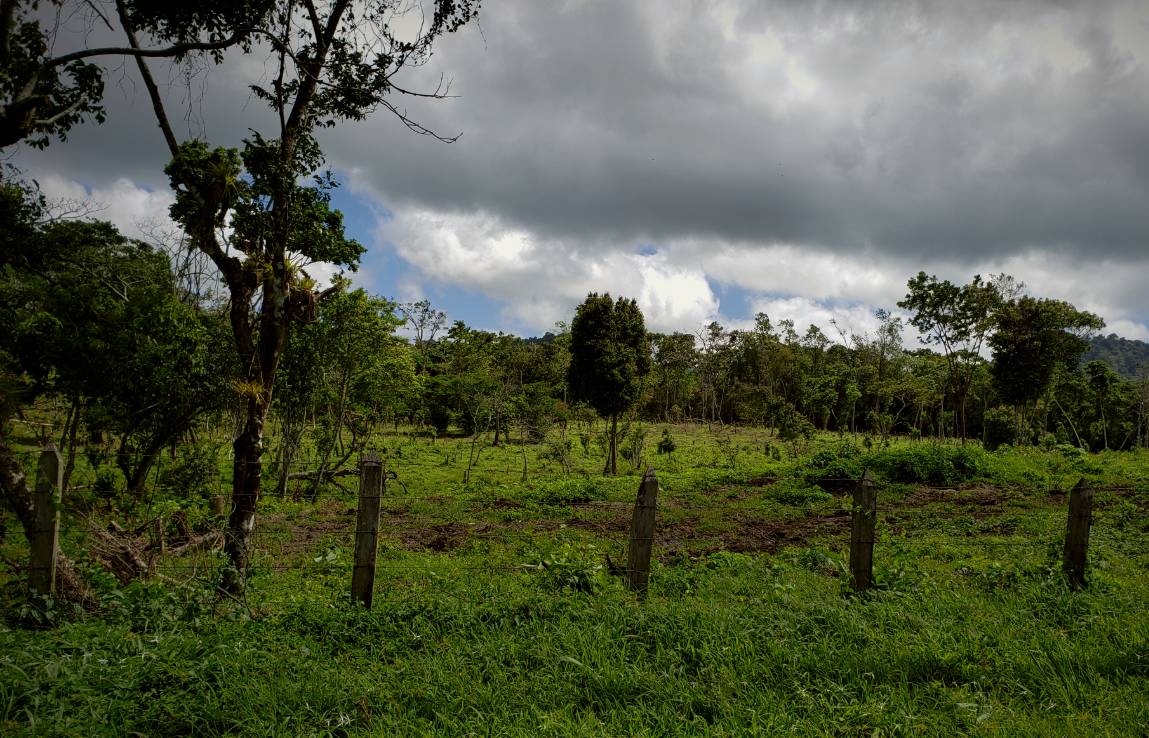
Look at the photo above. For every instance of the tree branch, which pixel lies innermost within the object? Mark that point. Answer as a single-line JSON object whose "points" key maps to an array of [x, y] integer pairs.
{"points": [[139, 53], [150, 84]]}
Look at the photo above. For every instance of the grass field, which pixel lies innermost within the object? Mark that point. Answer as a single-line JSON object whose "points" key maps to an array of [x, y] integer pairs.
{"points": [[495, 612]]}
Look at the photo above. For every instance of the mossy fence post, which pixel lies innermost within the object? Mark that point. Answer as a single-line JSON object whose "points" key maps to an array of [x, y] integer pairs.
{"points": [[1077, 533], [642, 534], [865, 515], [367, 528], [45, 539]]}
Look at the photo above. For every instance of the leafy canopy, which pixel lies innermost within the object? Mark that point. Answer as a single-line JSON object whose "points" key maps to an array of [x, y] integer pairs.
{"points": [[610, 354]]}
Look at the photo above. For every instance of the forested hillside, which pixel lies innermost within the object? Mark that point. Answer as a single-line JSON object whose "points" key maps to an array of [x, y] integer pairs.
{"points": [[1126, 356]]}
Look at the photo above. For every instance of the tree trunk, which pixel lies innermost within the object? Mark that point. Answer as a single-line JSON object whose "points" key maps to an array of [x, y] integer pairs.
{"points": [[614, 445], [246, 471], [139, 476]]}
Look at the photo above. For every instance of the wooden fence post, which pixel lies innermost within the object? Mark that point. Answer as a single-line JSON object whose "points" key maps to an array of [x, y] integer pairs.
{"points": [[367, 528], [1077, 533], [642, 533], [862, 534], [45, 541]]}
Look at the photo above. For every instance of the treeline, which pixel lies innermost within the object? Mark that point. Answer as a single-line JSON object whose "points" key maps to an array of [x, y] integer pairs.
{"points": [[1031, 388], [135, 342]]}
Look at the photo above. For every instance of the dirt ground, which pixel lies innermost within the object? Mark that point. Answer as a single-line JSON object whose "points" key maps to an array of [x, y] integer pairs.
{"points": [[740, 532]]}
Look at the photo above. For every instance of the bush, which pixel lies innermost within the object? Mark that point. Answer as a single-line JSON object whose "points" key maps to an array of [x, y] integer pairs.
{"points": [[193, 473], [933, 464], [796, 492], [835, 467], [570, 492], [793, 425]]}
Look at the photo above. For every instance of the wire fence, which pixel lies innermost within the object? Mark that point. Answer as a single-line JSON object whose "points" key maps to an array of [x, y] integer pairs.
{"points": [[320, 546], [429, 535]]}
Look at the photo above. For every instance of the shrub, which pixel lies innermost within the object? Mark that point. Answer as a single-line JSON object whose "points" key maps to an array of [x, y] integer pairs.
{"points": [[558, 450], [1000, 428], [193, 473], [933, 464], [796, 492], [835, 467], [793, 425], [570, 492]]}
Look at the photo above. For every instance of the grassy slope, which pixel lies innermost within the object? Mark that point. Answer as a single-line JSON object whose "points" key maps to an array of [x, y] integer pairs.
{"points": [[482, 622]]}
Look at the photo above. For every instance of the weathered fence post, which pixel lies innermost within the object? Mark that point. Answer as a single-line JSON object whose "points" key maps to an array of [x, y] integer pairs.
{"points": [[642, 533], [219, 506], [862, 534], [367, 528], [1077, 533], [46, 536]]}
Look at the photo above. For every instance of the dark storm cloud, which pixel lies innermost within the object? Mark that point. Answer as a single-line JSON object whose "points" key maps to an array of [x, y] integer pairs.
{"points": [[929, 130], [916, 130]]}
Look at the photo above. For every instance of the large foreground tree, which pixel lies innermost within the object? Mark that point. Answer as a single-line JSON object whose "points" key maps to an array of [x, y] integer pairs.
{"points": [[247, 209]]}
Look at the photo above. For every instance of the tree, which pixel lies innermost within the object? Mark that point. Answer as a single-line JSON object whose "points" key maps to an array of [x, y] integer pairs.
{"points": [[425, 321], [362, 369], [43, 95], [1032, 338], [610, 356], [77, 295], [674, 358], [247, 209], [957, 319]]}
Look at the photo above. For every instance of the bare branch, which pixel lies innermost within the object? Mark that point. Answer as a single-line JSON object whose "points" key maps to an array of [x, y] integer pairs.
{"points": [[150, 84]]}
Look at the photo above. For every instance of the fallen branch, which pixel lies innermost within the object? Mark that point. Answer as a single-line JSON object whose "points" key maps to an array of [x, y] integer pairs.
{"points": [[208, 541]]}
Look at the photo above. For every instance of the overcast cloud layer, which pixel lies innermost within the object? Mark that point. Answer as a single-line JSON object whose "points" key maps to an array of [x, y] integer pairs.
{"points": [[811, 155]]}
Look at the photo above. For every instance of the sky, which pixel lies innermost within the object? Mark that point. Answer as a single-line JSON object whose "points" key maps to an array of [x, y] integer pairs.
{"points": [[714, 159]]}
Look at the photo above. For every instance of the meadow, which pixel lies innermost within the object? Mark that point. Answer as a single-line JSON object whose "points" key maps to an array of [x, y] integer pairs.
{"points": [[496, 611]]}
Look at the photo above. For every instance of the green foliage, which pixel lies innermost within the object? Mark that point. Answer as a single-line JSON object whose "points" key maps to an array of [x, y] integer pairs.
{"points": [[569, 568], [39, 97], [78, 295], [792, 425], [666, 444], [796, 492], [1127, 357], [194, 473], [837, 467], [570, 491], [1000, 427], [928, 463], [610, 354], [1032, 339]]}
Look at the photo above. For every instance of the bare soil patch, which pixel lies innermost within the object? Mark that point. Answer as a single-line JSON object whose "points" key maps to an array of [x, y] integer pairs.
{"points": [[983, 496], [328, 519], [441, 537]]}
